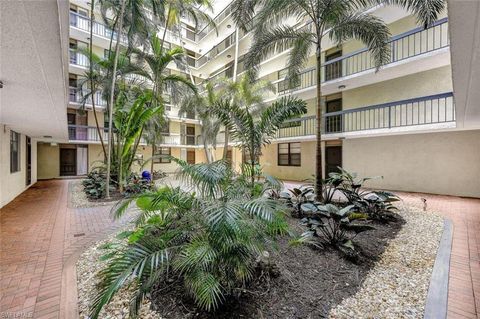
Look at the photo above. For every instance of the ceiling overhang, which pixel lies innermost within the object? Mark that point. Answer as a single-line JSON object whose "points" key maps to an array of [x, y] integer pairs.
{"points": [[34, 67]]}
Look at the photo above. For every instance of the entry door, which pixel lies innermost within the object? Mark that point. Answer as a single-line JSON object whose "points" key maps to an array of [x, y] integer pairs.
{"points": [[191, 156], [68, 161], [333, 159], [28, 180]]}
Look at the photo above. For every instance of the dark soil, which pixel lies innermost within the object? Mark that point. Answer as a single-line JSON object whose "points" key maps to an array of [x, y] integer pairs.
{"points": [[305, 283]]}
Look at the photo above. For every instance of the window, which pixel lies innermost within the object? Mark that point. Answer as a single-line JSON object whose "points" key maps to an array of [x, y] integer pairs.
{"points": [[289, 154], [14, 152], [161, 154]]}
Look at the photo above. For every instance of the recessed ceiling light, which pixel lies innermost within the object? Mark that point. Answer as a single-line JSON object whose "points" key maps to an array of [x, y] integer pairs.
{"points": [[229, 26], [341, 87], [47, 136], [229, 56], [1, 84]]}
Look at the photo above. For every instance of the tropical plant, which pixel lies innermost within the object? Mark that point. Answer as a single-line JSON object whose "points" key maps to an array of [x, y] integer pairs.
{"points": [[349, 184], [340, 20], [378, 205], [206, 243], [203, 104], [154, 64], [334, 226], [246, 94], [94, 185], [139, 18], [296, 197], [130, 117], [255, 131]]}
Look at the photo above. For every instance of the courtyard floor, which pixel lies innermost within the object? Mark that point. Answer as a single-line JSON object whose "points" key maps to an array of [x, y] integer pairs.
{"points": [[41, 238]]}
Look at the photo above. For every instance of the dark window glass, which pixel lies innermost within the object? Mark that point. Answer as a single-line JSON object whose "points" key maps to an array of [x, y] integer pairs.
{"points": [[161, 155], [289, 154], [14, 152]]}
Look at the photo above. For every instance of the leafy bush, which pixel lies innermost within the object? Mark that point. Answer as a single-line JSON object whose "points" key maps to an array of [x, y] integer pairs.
{"points": [[378, 205], [207, 241], [136, 185], [159, 175], [331, 225], [94, 185], [296, 197]]}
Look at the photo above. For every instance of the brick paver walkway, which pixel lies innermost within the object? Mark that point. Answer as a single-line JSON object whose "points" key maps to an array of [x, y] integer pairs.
{"points": [[38, 234], [464, 279]]}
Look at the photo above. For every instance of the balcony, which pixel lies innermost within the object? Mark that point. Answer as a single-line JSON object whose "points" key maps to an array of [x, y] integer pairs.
{"points": [[76, 96], [416, 42], [89, 134], [83, 23], [428, 112], [78, 59]]}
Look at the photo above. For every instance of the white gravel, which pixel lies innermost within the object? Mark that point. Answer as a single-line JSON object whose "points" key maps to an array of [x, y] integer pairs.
{"points": [[88, 266], [397, 286]]}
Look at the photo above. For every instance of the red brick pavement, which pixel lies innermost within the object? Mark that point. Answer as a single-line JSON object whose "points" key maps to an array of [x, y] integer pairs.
{"points": [[38, 234]]}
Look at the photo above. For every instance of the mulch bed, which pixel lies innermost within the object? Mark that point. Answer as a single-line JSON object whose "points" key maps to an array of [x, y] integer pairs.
{"points": [[305, 282]]}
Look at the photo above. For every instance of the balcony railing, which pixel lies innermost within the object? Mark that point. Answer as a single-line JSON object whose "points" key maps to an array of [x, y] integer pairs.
{"points": [[83, 133], [83, 23], [76, 96], [433, 109], [78, 58], [403, 46]]}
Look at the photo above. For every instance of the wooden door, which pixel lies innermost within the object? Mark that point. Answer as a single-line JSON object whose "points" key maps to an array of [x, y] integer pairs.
{"points": [[68, 161], [333, 159], [191, 156]]}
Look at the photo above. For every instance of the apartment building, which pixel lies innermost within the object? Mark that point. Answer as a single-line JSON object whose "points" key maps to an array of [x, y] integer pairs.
{"points": [[403, 122]]}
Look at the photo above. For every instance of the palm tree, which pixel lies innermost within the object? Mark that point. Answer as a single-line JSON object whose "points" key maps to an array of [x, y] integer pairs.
{"points": [[207, 241], [340, 20], [154, 64], [246, 94], [139, 18], [203, 105], [254, 131]]}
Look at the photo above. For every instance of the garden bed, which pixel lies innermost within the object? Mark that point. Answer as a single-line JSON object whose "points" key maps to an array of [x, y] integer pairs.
{"points": [[391, 280]]}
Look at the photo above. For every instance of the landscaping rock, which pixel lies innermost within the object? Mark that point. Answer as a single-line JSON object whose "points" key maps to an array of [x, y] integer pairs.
{"points": [[397, 285]]}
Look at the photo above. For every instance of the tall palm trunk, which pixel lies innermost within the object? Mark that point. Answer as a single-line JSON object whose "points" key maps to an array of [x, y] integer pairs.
{"points": [[112, 91], [235, 65], [92, 82], [318, 152]]}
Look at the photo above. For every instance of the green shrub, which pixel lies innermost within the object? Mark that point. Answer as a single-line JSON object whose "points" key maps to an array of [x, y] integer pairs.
{"points": [[208, 241], [94, 185]]}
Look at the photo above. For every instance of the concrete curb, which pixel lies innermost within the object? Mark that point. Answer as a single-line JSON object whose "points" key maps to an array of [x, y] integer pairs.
{"points": [[437, 298]]}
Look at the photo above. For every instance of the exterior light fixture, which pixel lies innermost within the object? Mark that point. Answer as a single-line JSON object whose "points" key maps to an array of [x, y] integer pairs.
{"points": [[53, 144], [1, 84], [229, 56], [47, 136], [341, 87], [229, 26]]}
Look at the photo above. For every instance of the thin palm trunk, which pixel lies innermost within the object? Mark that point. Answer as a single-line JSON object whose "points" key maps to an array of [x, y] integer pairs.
{"points": [[153, 154], [92, 82], [205, 147], [235, 65], [318, 152], [112, 90]]}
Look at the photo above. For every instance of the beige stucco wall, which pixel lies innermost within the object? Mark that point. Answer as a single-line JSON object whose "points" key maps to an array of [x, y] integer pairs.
{"points": [[13, 184], [269, 163], [440, 163], [48, 161], [416, 85]]}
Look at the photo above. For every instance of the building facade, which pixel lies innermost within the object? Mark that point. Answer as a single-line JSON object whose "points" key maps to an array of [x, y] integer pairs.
{"points": [[400, 122]]}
